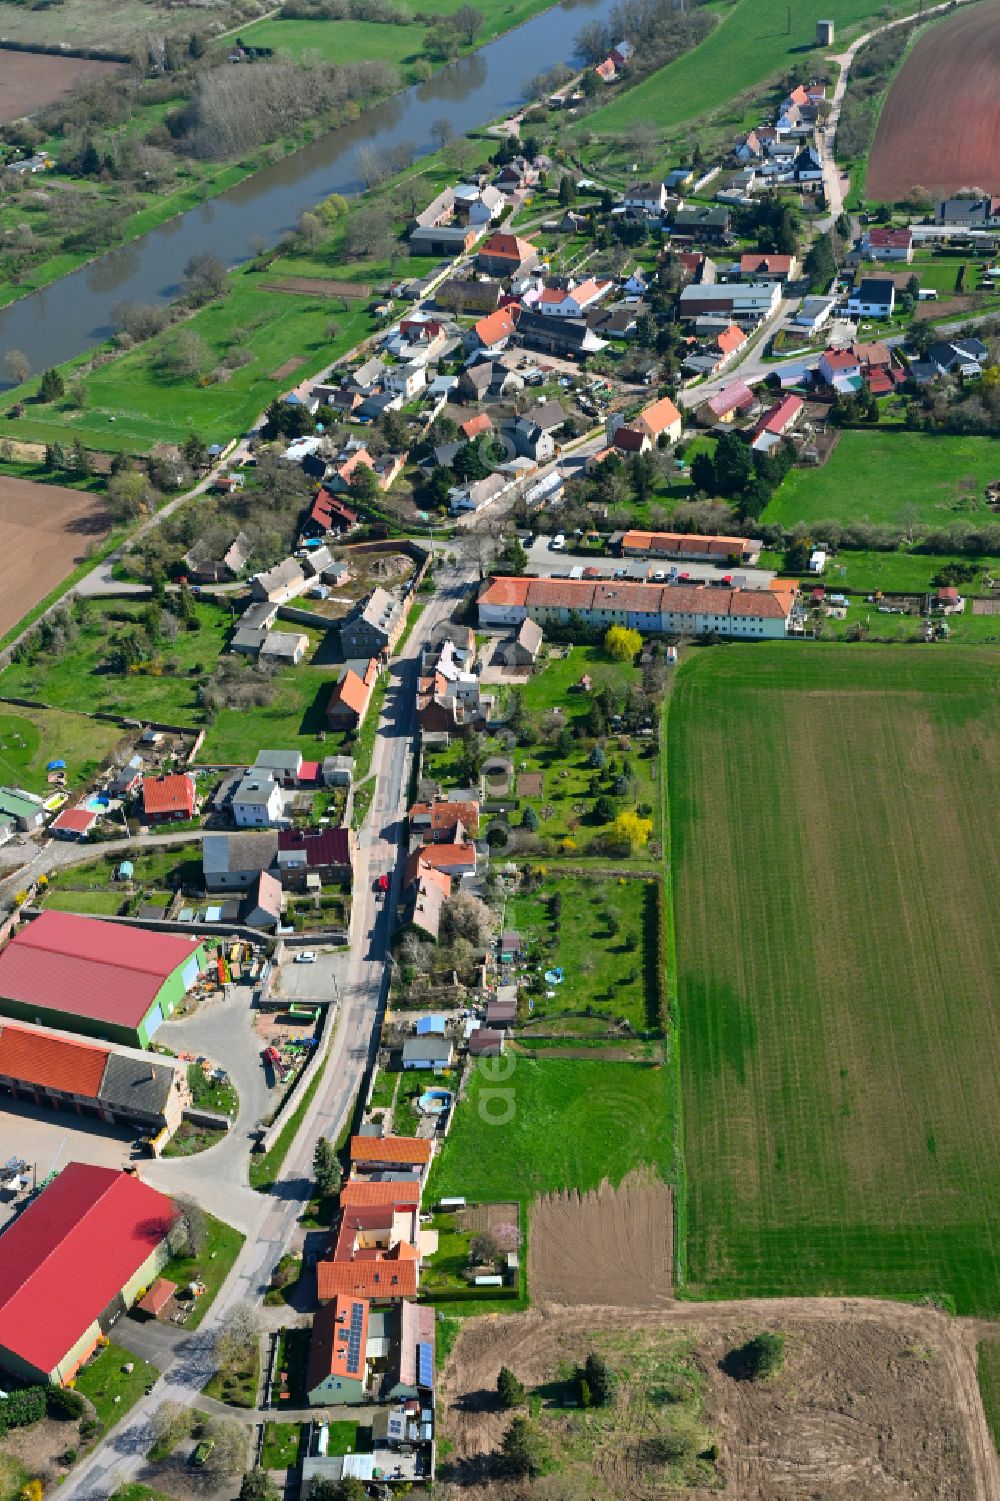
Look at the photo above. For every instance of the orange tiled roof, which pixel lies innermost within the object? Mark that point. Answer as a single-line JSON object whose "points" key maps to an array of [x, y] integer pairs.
{"points": [[36, 1057], [366, 1279], [358, 1194], [394, 1149]]}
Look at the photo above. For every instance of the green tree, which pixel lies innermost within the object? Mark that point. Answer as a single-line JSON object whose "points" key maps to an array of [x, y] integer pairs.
{"points": [[514, 558], [600, 1378], [604, 809], [597, 758], [52, 386], [468, 463], [522, 1449], [80, 462], [760, 1357], [257, 1485], [326, 1167], [564, 743], [820, 265], [195, 452], [703, 473], [733, 464], [529, 821], [509, 1389], [623, 644]]}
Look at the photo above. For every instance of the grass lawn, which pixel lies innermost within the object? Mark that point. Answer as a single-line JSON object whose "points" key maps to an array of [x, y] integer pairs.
{"points": [[338, 41], [237, 1388], [94, 903], [164, 865], [212, 1094], [212, 1267], [599, 939], [536, 1125], [31, 738], [988, 1371], [113, 1390], [902, 572], [348, 1438], [892, 478], [754, 31], [136, 1491], [443, 1272], [281, 1446], [836, 847]]}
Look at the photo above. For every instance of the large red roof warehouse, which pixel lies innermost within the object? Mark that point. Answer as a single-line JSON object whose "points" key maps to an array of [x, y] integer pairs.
{"points": [[85, 967], [70, 1253]]}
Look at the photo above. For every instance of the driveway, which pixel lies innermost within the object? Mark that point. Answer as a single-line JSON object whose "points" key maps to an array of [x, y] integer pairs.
{"points": [[48, 1139], [319, 983], [221, 1029]]}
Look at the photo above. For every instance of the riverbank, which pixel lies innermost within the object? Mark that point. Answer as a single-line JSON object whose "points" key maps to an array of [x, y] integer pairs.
{"points": [[210, 181]]}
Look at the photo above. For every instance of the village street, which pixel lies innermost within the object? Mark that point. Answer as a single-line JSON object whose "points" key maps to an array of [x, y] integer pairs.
{"points": [[270, 1220]]}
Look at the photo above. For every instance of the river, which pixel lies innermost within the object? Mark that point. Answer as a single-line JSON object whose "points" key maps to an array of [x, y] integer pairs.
{"points": [[72, 314]]}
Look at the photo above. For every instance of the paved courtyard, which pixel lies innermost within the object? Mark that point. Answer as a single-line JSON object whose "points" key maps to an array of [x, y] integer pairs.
{"points": [[48, 1139]]}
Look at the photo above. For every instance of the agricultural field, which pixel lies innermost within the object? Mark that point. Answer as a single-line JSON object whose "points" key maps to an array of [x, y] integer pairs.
{"points": [[960, 57], [540, 1126], [31, 738], [45, 532], [836, 846], [76, 676], [113, 23], [892, 478], [601, 934], [756, 32], [29, 80], [878, 1404]]}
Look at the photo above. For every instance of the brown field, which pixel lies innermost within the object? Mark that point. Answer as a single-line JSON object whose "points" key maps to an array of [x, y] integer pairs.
{"points": [[30, 79], [45, 531], [288, 368], [612, 1247], [940, 125], [875, 1400]]}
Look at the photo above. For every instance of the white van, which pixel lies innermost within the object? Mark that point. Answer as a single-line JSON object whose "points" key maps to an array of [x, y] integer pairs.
{"points": [[558, 543]]}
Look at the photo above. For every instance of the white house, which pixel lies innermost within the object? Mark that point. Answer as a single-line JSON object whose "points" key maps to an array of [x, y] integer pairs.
{"points": [[814, 312], [874, 298], [258, 802], [646, 198], [574, 301], [406, 380]]}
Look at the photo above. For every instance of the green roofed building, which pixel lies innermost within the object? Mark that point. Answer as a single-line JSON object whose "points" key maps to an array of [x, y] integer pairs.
{"points": [[101, 979]]}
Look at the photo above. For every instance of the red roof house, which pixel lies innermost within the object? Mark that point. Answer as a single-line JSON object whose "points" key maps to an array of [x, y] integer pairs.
{"points": [[73, 823], [71, 1262], [169, 798]]}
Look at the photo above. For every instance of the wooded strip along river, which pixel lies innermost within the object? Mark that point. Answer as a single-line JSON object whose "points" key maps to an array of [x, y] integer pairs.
{"points": [[69, 316]]}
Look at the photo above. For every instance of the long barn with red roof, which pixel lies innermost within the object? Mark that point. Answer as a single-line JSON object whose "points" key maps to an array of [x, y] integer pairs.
{"points": [[101, 979], [72, 1263]]}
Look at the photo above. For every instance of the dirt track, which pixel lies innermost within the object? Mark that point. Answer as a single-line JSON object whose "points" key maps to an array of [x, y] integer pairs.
{"points": [[940, 125], [875, 1400], [45, 530], [30, 79], [612, 1247]]}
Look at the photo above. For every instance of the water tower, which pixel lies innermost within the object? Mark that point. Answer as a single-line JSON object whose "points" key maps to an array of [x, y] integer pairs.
{"points": [[824, 33]]}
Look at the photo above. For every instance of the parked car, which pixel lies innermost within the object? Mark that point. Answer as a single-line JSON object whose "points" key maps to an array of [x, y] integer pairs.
{"points": [[306, 957]]}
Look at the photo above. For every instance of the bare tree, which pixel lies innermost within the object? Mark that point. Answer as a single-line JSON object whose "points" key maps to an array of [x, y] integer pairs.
{"points": [[373, 167], [442, 131], [189, 1232], [17, 366], [204, 276], [236, 1340], [467, 21], [465, 916], [593, 42], [170, 1423], [228, 1455]]}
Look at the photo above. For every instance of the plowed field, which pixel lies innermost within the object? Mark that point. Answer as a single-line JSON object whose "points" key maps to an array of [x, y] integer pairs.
{"points": [[45, 530], [940, 125], [836, 847], [30, 79], [612, 1246]]}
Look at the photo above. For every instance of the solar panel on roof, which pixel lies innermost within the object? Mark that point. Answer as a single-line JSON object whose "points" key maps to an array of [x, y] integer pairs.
{"points": [[425, 1364], [354, 1344]]}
